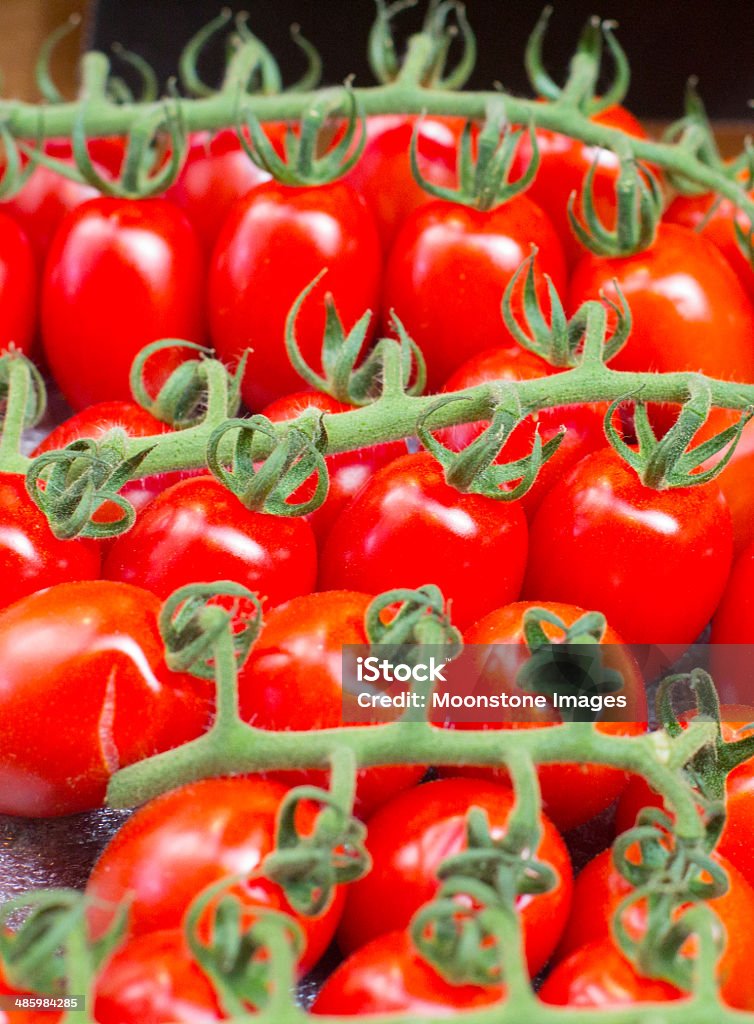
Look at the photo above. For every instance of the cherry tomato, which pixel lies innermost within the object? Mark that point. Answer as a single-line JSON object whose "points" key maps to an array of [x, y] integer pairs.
{"points": [[732, 622], [348, 471], [387, 975], [410, 837], [448, 270], [84, 690], [273, 244], [175, 846], [598, 975], [18, 287], [293, 680], [583, 423], [604, 541], [407, 527], [600, 888], [121, 273], [571, 793], [198, 530]]}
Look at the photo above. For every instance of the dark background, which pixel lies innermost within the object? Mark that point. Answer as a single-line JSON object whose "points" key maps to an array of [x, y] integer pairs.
{"points": [[666, 42]]}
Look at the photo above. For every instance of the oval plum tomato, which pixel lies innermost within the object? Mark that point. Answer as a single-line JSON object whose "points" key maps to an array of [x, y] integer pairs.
{"points": [[18, 287], [273, 244], [571, 793], [8, 1016], [604, 541], [293, 680], [732, 623], [564, 164], [31, 556], [598, 975], [198, 530], [154, 979], [583, 423], [448, 270], [348, 471], [600, 888], [121, 273], [735, 482], [387, 975], [383, 172], [407, 528], [84, 690], [410, 837], [175, 846]]}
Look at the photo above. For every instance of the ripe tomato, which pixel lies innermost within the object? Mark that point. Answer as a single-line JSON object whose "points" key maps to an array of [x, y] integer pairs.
{"points": [[598, 975], [175, 846], [408, 840], [387, 975], [31, 556], [84, 690], [293, 680], [407, 527], [448, 270], [571, 793], [348, 471], [8, 1016], [18, 287], [600, 888], [583, 423], [154, 979], [604, 541], [563, 166], [198, 530], [125, 270], [273, 244], [732, 622]]}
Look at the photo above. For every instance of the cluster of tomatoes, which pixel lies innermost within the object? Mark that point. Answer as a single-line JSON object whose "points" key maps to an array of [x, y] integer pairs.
{"points": [[88, 281]]}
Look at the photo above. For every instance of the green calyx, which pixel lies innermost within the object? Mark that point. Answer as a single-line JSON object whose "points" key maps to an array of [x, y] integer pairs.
{"points": [[693, 134], [421, 617], [426, 60]]}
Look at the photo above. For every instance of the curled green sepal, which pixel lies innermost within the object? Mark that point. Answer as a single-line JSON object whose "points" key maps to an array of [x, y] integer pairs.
{"points": [[188, 64], [312, 76], [251, 68], [70, 484], [580, 88], [42, 72], [639, 205], [193, 387], [476, 469], [669, 461], [421, 617], [693, 134], [15, 171], [483, 181], [302, 163], [36, 391], [148, 82], [431, 46], [191, 623], [267, 485]]}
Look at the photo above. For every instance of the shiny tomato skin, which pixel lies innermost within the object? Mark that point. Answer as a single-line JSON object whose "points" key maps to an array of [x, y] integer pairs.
{"points": [[598, 975], [18, 287], [735, 482], [448, 270], [175, 846], [272, 245], [121, 273], [31, 556], [732, 623], [604, 541], [387, 975], [293, 680], [572, 793], [411, 835], [198, 530], [84, 690]]}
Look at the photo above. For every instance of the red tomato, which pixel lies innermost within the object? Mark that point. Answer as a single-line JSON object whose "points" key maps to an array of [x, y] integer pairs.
{"points": [[598, 975], [584, 430], [733, 619], [383, 172], [272, 246], [387, 975], [8, 1016], [31, 556], [411, 836], [449, 268], [293, 680], [84, 690], [348, 471], [407, 527], [563, 166], [198, 530], [600, 888], [571, 793], [18, 287], [154, 979], [175, 846], [121, 273], [604, 541]]}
